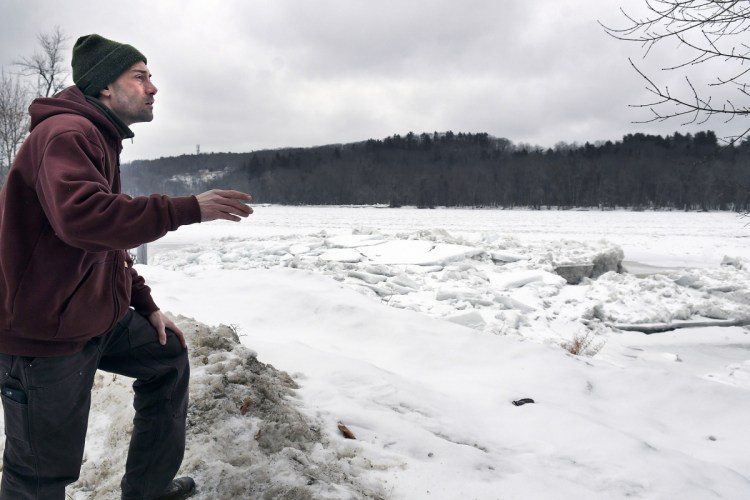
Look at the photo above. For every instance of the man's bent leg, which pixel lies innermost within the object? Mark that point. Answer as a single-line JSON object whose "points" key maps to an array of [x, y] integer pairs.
{"points": [[46, 405], [157, 444]]}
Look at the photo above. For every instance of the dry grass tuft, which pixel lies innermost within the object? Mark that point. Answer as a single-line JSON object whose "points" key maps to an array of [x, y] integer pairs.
{"points": [[584, 344]]}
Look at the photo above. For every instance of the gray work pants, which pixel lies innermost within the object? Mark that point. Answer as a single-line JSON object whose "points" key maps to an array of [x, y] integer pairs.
{"points": [[46, 405]]}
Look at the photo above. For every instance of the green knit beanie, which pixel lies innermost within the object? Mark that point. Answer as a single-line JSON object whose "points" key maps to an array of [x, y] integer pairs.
{"points": [[97, 62]]}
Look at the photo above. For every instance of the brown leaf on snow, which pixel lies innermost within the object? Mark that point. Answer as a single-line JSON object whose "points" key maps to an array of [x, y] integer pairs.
{"points": [[245, 405], [345, 431]]}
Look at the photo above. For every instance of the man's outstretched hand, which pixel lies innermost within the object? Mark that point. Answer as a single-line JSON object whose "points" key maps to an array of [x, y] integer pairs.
{"points": [[223, 204]]}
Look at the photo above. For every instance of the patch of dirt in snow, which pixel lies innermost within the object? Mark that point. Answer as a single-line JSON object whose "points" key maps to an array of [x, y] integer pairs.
{"points": [[246, 436]]}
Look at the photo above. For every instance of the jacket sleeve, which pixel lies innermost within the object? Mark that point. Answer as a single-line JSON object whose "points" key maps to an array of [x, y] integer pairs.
{"points": [[140, 295], [83, 211]]}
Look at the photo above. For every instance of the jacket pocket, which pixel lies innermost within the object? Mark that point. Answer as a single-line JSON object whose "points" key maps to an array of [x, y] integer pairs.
{"points": [[63, 287], [89, 311]]}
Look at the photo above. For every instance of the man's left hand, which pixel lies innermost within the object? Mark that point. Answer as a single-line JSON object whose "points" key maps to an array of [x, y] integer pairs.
{"points": [[159, 321]]}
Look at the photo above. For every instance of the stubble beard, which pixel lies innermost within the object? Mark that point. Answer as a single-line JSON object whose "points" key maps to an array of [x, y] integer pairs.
{"points": [[132, 116], [130, 111]]}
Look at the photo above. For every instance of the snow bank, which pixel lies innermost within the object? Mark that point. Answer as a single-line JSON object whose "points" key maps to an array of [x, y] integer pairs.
{"points": [[430, 400]]}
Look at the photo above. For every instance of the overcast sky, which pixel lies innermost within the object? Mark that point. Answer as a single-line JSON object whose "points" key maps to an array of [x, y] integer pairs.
{"points": [[255, 74]]}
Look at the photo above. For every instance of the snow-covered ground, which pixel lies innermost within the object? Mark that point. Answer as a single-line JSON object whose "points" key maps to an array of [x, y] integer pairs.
{"points": [[418, 329]]}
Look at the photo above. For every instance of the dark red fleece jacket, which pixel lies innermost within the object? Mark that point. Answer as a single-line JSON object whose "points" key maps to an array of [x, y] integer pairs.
{"points": [[65, 276]]}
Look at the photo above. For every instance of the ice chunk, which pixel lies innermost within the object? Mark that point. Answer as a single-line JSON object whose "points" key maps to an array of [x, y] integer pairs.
{"points": [[512, 303], [457, 294], [506, 257], [353, 240], [419, 252], [737, 262], [472, 319], [299, 249], [509, 321], [380, 269], [608, 260], [401, 290], [367, 277], [516, 279], [415, 269], [210, 258], [341, 255], [575, 273], [689, 280], [403, 280]]}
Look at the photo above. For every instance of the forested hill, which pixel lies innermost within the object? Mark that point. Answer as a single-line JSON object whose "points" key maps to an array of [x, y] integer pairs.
{"points": [[691, 172]]}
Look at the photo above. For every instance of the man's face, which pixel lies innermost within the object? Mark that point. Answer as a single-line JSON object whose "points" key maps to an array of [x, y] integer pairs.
{"points": [[131, 96]]}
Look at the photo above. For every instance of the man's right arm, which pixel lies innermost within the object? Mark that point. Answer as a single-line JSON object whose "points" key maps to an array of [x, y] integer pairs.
{"points": [[85, 213]]}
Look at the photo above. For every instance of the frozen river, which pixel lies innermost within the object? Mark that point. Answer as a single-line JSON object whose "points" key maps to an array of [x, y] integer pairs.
{"points": [[663, 239]]}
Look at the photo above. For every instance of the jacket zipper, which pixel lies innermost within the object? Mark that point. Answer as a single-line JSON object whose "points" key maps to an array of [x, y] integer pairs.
{"points": [[114, 289]]}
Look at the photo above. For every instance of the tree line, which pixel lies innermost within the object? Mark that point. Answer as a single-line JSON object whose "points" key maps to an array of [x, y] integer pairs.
{"points": [[680, 171]]}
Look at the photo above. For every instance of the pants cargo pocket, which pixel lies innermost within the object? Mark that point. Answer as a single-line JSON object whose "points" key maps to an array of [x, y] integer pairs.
{"points": [[16, 420]]}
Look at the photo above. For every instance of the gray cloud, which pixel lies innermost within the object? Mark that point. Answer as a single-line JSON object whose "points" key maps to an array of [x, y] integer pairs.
{"points": [[240, 76]]}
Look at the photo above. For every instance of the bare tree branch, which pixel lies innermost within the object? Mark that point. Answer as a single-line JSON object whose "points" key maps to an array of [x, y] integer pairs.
{"points": [[709, 31], [14, 120], [47, 65], [47, 68]]}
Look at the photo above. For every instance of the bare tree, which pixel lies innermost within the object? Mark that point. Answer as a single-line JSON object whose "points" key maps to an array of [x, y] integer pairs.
{"points": [[14, 120], [47, 68], [47, 65], [705, 32]]}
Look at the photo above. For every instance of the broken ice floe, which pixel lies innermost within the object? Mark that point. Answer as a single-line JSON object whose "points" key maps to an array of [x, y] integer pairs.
{"points": [[418, 252], [605, 261], [341, 255], [736, 262], [448, 277]]}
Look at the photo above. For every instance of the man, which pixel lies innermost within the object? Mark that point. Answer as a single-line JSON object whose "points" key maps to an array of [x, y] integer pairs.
{"points": [[70, 300]]}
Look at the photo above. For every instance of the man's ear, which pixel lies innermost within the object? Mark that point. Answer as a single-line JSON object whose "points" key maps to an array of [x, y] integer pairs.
{"points": [[105, 92]]}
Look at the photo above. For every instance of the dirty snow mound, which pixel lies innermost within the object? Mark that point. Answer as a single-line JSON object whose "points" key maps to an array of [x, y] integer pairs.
{"points": [[246, 436]]}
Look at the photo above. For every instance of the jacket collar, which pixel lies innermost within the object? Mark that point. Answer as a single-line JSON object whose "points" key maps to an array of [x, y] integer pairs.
{"points": [[123, 129], [72, 101]]}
